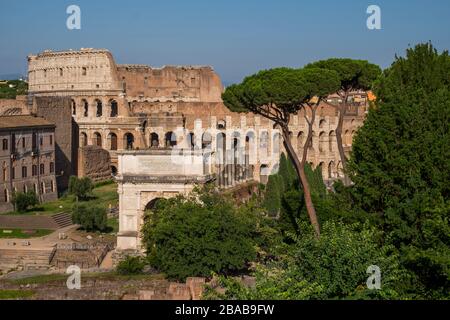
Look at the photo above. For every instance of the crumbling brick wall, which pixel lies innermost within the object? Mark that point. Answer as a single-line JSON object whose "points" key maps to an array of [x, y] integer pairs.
{"points": [[95, 163], [58, 111]]}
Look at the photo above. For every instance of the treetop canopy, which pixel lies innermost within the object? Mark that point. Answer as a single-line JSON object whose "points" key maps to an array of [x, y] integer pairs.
{"points": [[285, 88], [353, 74]]}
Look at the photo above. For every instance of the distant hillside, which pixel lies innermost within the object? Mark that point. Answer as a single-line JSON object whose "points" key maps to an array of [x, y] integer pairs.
{"points": [[13, 88]]}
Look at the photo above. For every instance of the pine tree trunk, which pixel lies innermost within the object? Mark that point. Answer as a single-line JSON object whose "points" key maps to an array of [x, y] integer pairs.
{"points": [[339, 141], [300, 168]]}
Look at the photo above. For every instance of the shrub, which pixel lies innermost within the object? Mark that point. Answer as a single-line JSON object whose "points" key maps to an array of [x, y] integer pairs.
{"points": [[130, 265], [81, 188], [23, 201], [199, 234], [333, 267], [90, 218]]}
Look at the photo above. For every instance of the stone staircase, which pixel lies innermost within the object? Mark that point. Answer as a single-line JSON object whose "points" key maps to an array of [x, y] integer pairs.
{"points": [[62, 220], [54, 222], [26, 258]]}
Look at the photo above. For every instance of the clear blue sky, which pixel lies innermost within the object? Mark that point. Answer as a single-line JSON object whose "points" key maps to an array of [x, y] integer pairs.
{"points": [[236, 37]]}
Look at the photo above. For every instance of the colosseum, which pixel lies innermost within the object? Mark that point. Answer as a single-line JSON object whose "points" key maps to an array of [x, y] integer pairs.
{"points": [[123, 107], [147, 119]]}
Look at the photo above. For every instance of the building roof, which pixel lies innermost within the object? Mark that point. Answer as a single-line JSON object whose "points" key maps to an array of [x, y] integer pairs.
{"points": [[12, 122]]}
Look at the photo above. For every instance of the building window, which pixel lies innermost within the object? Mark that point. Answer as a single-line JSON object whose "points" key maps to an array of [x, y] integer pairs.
{"points": [[52, 167], [61, 73], [34, 141], [5, 144], [84, 71], [34, 170], [13, 143], [13, 173], [99, 108], [41, 169], [5, 174], [5, 195], [51, 140], [23, 143], [24, 172], [42, 187], [41, 141]]}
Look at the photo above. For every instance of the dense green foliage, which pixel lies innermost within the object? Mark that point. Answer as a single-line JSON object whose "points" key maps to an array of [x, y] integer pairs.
{"points": [[22, 201], [81, 187], [13, 88], [283, 198], [401, 169], [333, 267], [91, 218], [200, 234], [130, 266]]}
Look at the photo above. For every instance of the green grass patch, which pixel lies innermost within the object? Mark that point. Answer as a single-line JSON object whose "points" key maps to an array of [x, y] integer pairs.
{"points": [[23, 234], [15, 294], [113, 225], [112, 276], [103, 196]]}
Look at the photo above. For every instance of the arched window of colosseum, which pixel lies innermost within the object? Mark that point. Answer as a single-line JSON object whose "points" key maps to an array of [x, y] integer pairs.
{"points": [[311, 142], [331, 141], [264, 144], [352, 135], [154, 140], [129, 141], [190, 140], [300, 141], [339, 170], [61, 72], [113, 171], [99, 108], [74, 107], [276, 148], [263, 174], [322, 141], [114, 109], [322, 123], [206, 140], [331, 170], [170, 139], [83, 71], [83, 139], [321, 169], [86, 108], [97, 139], [112, 137], [347, 138], [221, 144]]}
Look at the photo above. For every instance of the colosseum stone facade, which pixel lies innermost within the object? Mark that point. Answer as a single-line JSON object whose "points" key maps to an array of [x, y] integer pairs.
{"points": [[120, 107]]}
